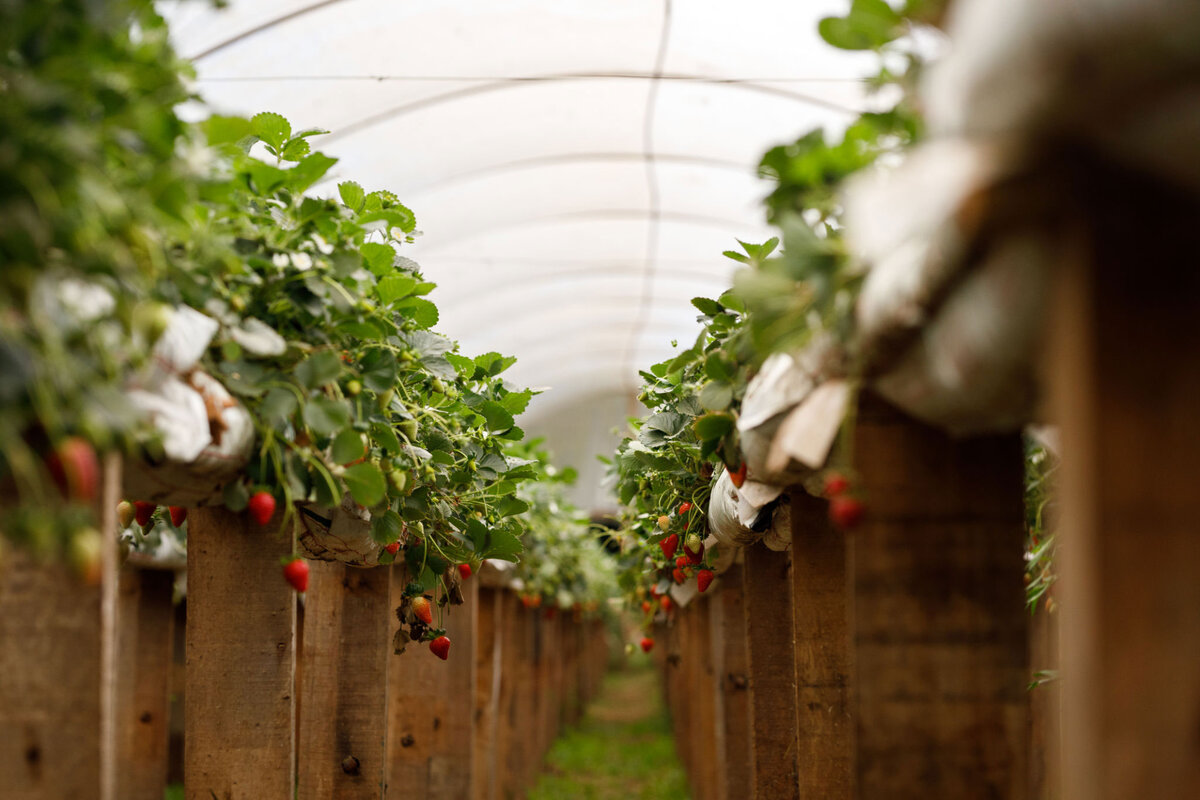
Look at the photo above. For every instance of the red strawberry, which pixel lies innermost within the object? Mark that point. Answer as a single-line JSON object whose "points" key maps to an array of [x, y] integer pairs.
{"points": [[739, 477], [295, 572], [392, 548], [178, 515], [527, 600], [669, 544], [423, 609], [666, 603], [440, 647], [143, 511], [464, 570], [74, 467], [681, 562], [679, 575], [549, 612], [845, 512], [647, 644], [704, 579], [684, 508], [836, 483], [646, 606], [261, 507]]}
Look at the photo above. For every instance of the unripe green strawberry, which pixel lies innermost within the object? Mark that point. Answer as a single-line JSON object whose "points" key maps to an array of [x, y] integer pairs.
{"points": [[125, 513], [398, 478]]}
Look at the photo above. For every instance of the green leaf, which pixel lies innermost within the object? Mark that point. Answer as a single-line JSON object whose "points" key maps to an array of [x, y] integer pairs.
{"points": [[271, 128], [380, 371], [221, 130], [352, 195], [716, 396], [319, 369], [386, 527], [395, 287], [366, 483], [502, 545], [716, 367], [310, 170], [236, 496], [509, 506], [497, 416], [295, 150], [278, 406], [713, 426], [326, 416], [516, 402], [348, 446], [378, 257], [396, 216], [264, 177], [707, 307], [494, 363], [385, 437], [419, 310]]}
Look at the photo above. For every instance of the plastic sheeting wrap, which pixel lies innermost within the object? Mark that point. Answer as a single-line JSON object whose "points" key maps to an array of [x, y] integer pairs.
{"points": [[341, 534], [738, 517], [206, 435], [958, 237]]}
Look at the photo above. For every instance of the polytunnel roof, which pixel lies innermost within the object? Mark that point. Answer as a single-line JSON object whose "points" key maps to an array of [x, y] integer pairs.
{"points": [[576, 168]]}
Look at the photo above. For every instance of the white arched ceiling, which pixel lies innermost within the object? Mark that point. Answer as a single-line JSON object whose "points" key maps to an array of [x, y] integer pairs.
{"points": [[576, 167]]}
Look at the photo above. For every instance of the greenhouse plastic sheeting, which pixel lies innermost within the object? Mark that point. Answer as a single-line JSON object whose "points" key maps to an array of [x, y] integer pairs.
{"points": [[576, 168]]}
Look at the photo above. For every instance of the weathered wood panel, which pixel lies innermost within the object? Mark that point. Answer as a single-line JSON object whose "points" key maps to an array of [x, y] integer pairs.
{"points": [[737, 769], [241, 660], [939, 625], [771, 665], [343, 683]]}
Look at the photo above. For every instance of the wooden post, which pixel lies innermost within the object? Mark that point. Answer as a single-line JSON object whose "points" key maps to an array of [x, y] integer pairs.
{"points": [[57, 670], [146, 640], [241, 660], [771, 663], [488, 653], [704, 748], [1045, 767], [1126, 381], [343, 691], [431, 707], [736, 769], [939, 624], [513, 669], [824, 663]]}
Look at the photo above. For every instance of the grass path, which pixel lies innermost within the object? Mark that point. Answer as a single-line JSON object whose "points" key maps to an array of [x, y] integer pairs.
{"points": [[622, 750]]}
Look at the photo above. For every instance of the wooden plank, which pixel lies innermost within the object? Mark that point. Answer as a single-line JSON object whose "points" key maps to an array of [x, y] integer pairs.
{"points": [[1045, 762], [1125, 385], [343, 682], [737, 768], [241, 660], [940, 628], [771, 666], [145, 652], [512, 671], [431, 708], [57, 670], [487, 675], [824, 661], [704, 767]]}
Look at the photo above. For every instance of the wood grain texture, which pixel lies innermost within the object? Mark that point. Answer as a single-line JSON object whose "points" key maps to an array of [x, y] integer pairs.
{"points": [[737, 768], [488, 650], [824, 660], [431, 706], [57, 671], [241, 660], [508, 747], [145, 655], [939, 625], [771, 666], [344, 656], [704, 749], [1125, 379]]}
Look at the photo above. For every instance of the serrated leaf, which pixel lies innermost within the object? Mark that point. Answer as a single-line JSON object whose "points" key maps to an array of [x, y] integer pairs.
{"points": [[352, 195], [326, 416], [277, 406], [378, 257], [386, 527], [366, 483], [347, 446], [707, 307], [713, 426], [308, 171], [502, 545], [385, 437], [508, 506], [419, 310], [498, 418], [272, 128], [395, 216], [516, 402], [319, 369], [219, 130], [295, 150], [394, 287], [380, 370], [716, 396]]}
